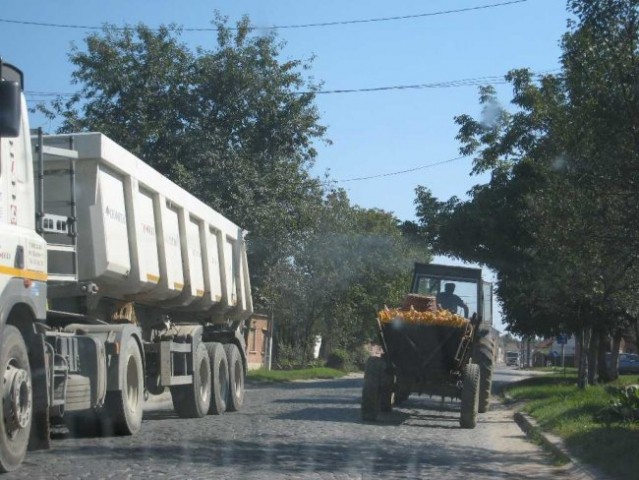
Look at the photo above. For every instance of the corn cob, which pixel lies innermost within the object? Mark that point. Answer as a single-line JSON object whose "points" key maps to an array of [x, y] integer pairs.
{"points": [[411, 316]]}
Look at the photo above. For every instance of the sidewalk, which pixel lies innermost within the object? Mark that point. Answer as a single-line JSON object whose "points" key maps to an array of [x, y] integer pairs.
{"points": [[555, 445]]}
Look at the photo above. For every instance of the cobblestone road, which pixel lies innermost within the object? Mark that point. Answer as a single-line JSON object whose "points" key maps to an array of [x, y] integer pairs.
{"points": [[308, 430]]}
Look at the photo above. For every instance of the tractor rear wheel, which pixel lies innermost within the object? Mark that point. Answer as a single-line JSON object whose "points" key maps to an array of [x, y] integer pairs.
{"points": [[387, 391], [483, 356], [470, 396], [403, 390], [371, 391]]}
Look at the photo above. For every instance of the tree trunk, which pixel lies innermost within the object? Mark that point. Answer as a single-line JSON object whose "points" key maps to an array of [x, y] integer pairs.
{"points": [[583, 338], [592, 356], [604, 370], [614, 356]]}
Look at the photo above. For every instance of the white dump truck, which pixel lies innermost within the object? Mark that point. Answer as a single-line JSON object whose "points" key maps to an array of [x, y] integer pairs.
{"points": [[115, 284]]}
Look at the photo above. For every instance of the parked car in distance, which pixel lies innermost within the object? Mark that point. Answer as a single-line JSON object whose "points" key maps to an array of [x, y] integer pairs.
{"points": [[628, 363]]}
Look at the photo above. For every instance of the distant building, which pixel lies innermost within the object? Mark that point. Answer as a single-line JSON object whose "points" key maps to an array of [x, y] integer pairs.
{"points": [[549, 353]]}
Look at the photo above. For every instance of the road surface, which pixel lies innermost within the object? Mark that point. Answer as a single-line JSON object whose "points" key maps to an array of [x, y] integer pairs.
{"points": [[305, 430]]}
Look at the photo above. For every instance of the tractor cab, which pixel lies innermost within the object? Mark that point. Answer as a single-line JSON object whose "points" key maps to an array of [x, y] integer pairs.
{"points": [[460, 290]]}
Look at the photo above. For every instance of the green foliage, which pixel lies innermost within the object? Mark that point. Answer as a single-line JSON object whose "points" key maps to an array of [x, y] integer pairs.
{"points": [[292, 356], [558, 220], [339, 359], [360, 356], [263, 375], [623, 407], [354, 262], [570, 412], [348, 360]]}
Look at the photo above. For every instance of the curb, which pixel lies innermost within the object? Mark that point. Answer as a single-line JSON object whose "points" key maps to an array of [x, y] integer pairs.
{"points": [[556, 446]]}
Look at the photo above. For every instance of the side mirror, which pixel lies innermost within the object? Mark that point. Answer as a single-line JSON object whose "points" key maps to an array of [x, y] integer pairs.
{"points": [[10, 117]]}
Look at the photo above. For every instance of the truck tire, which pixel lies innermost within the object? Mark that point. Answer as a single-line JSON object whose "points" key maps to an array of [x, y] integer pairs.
{"points": [[371, 390], [470, 396], [16, 399], [236, 378], [219, 378], [123, 408], [483, 356], [193, 400]]}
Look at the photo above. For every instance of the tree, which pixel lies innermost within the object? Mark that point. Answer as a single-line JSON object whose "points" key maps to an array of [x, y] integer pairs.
{"points": [[558, 220], [355, 261]]}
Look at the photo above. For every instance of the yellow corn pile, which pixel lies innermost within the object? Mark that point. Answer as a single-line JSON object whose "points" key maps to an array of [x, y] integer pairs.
{"points": [[412, 316]]}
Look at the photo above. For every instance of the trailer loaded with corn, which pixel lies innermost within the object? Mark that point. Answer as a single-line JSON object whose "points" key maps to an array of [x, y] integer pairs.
{"points": [[115, 284], [439, 342]]}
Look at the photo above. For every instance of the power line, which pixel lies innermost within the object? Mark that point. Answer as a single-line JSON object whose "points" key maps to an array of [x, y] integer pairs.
{"points": [[390, 174], [32, 93], [280, 27], [465, 82], [468, 82], [401, 17]]}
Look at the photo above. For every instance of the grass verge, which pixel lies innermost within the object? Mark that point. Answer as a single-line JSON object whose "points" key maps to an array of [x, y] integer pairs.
{"points": [[560, 407], [263, 375]]}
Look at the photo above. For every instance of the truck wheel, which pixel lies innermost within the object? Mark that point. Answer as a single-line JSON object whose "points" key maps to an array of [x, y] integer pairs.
{"points": [[193, 400], [236, 378], [124, 407], [371, 390], [470, 396], [484, 355], [17, 399], [219, 378]]}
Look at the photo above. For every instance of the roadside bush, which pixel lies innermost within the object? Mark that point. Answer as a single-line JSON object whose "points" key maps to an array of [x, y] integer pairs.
{"points": [[624, 406], [339, 359], [291, 356], [360, 356]]}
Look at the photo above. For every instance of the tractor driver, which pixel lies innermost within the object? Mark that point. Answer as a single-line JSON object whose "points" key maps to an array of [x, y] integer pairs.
{"points": [[449, 301]]}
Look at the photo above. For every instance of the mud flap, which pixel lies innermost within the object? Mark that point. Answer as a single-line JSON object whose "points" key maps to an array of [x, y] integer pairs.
{"points": [[40, 437]]}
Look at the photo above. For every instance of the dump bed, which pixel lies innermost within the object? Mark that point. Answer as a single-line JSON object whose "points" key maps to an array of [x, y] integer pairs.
{"points": [[420, 350], [140, 237]]}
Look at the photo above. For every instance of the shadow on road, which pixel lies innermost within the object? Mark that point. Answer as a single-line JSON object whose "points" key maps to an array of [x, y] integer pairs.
{"points": [[372, 455], [340, 383], [323, 399]]}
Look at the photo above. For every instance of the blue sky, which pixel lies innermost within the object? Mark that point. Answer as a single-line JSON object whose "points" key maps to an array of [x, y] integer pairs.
{"points": [[373, 133]]}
